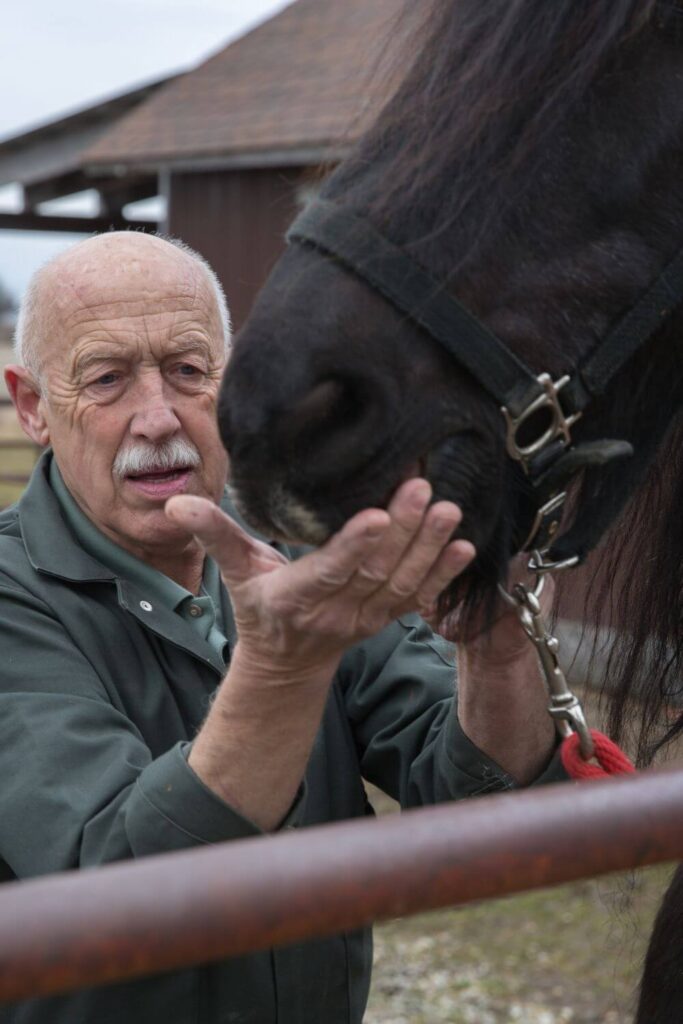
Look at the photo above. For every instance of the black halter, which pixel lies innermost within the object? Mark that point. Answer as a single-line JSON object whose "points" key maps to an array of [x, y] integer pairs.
{"points": [[549, 460]]}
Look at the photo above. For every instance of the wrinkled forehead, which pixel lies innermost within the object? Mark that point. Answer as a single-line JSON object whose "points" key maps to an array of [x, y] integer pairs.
{"points": [[131, 289], [116, 280]]}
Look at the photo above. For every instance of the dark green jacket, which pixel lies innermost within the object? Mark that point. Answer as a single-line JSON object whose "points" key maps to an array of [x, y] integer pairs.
{"points": [[99, 700]]}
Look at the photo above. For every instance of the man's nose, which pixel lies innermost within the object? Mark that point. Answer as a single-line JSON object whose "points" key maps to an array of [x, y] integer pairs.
{"points": [[154, 419]]}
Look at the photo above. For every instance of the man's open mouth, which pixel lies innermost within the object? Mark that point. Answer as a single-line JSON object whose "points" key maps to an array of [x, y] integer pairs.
{"points": [[160, 474], [161, 483]]}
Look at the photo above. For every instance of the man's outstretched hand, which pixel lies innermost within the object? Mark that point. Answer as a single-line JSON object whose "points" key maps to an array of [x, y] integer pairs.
{"points": [[301, 616]]}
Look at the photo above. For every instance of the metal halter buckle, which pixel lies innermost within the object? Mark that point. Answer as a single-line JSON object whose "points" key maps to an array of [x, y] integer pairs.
{"points": [[557, 432], [558, 427], [546, 522]]}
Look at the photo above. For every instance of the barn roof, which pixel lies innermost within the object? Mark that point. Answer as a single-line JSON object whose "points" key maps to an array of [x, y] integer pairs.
{"points": [[55, 149], [47, 161], [283, 93]]}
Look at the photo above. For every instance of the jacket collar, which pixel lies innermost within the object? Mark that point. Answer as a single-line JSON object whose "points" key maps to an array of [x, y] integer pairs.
{"points": [[53, 550], [50, 545]]}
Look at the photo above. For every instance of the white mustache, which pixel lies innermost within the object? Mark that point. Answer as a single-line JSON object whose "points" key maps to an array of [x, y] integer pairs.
{"points": [[156, 458]]}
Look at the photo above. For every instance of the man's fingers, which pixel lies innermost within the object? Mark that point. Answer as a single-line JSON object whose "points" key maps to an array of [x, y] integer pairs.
{"points": [[238, 555], [452, 563], [330, 568], [407, 512], [420, 559]]}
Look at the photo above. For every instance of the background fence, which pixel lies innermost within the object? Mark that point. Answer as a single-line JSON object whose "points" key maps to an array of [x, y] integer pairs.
{"points": [[17, 455]]}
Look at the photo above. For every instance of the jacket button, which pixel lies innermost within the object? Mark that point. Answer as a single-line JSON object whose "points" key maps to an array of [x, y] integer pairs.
{"points": [[195, 611], [146, 606]]}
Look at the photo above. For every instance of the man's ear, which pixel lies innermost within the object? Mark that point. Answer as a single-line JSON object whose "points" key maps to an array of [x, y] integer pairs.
{"points": [[25, 395]]}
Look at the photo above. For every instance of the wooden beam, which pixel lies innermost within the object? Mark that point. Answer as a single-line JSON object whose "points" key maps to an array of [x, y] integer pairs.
{"points": [[81, 225], [114, 191], [55, 188]]}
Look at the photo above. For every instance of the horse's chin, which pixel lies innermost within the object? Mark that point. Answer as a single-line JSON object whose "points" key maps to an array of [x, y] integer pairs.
{"points": [[277, 512], [289, 511], [279, 516]]}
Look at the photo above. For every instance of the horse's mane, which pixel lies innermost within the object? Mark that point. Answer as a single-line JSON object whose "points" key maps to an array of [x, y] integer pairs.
{"points": [[518, 69], [638, 595], [489, 89]]}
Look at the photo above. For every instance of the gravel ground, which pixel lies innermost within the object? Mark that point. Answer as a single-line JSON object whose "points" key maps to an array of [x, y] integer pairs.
{"points": [[570, 955]]}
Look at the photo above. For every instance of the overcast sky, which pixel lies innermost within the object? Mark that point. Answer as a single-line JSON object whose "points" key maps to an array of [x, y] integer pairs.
{"points": [[56, 57]]}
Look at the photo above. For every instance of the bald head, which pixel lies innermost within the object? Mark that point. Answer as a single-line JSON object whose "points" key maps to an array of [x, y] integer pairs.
{"points": [[121, 266]]}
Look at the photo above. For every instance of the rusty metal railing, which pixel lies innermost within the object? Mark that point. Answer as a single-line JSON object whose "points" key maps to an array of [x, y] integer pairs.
{"points": [[182, 909]]}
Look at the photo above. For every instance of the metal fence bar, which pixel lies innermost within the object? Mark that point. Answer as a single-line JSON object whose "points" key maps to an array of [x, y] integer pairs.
{"points": [[182, 909]]}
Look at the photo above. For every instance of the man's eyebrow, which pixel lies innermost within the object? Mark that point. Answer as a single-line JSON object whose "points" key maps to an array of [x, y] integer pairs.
{"points": [[87, 359], [180, 345]]}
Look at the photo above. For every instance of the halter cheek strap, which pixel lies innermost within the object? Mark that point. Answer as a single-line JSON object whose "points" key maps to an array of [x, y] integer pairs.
{"points": [[550, 459], [358, 246]]}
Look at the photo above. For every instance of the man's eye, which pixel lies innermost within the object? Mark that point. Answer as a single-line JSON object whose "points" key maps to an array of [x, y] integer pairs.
{"points": [[107, 379], [188, 370]]}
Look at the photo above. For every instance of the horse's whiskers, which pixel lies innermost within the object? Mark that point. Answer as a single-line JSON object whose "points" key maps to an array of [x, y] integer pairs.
{"points": [[293, 519]]}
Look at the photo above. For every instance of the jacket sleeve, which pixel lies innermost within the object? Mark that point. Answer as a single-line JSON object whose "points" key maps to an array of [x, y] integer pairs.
{"points": [[80, 787], [401, 698]]}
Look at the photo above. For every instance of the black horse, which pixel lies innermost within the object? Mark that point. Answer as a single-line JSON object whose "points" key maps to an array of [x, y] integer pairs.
{"points": [[531, 162]]}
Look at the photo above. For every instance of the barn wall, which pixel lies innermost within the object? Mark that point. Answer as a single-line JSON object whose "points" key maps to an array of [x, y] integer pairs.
{"points": [[237, 221]]}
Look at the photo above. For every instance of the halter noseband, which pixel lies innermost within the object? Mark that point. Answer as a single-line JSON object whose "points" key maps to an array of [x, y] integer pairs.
{"points": [[549, 460]]}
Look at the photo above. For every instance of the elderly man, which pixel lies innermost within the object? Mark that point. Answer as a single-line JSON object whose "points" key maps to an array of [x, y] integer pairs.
{"points": [[117, 736]]}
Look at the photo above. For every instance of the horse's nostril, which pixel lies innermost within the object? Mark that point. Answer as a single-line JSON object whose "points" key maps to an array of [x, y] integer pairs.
{"points": [[320, 402], [330, 404]]}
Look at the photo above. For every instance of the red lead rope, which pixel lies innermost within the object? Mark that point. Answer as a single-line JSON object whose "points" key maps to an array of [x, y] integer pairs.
{"points": [[611, 760], [607, 759]]}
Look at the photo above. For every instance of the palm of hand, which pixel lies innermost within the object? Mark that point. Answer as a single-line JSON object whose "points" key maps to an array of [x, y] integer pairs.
{"points": [[304, 614]]}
